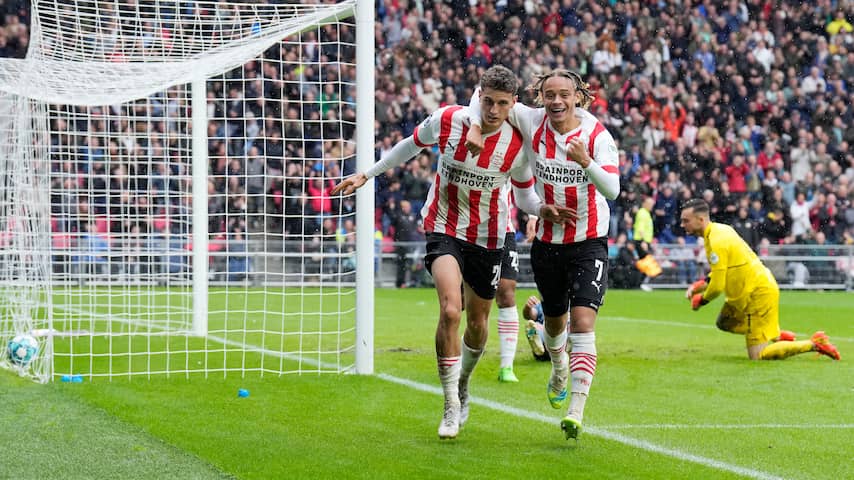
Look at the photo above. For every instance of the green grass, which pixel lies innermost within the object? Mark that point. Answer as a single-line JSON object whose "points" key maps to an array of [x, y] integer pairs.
{"points": [[673, 398]]}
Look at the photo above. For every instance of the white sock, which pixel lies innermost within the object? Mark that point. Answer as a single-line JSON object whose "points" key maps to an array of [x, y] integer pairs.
{"points": [[556, 346], [582, 367], [469, 360], [508, 334], [449, 375]]}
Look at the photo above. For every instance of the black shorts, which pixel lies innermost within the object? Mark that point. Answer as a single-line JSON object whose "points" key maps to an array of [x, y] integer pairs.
{"points": [[480, 267], [574, 274], [510, 258]]}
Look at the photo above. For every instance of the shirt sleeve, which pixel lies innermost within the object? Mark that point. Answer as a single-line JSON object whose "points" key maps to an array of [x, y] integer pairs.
{"points": [[603, 170], [398, 155], [521, 116], [718, 261], [522, 180], [427, 132]]}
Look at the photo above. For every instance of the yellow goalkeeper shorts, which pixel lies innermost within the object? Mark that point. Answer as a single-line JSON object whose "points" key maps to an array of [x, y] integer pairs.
{"points": [[762, 315]]}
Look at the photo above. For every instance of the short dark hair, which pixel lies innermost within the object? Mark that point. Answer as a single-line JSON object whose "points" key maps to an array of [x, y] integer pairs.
{"points": [[500, 78], [697, 204]]}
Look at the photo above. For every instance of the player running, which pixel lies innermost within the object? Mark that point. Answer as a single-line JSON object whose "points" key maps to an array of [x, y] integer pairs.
{"points": [[752, 296], [575, 164], [465, 220]]}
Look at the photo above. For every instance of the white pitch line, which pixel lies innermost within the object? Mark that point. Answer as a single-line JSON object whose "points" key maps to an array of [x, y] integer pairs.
{"points": [[595, 431], [681, 426], [668, 323], [589, 430]]}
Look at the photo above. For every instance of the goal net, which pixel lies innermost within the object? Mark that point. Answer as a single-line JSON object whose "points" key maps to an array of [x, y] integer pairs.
{"points": [[165, 202]]}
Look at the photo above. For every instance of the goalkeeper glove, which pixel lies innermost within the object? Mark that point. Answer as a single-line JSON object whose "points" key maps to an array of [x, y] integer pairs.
{"points": [[698, 301], [697, 287]]}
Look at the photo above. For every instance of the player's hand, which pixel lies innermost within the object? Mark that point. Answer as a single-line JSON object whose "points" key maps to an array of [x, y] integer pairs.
{"points": [[474, 140], [350, 184], [577, 151], [531, 229], [698, 301], [697, 287], [558, 214]]}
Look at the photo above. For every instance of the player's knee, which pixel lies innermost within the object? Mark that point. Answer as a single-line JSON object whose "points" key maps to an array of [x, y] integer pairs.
{"points": [[727, 323], [505, 298], [451, 314]]}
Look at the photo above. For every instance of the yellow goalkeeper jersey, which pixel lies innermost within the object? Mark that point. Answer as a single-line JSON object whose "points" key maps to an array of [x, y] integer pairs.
{"points": [[735, 269]]}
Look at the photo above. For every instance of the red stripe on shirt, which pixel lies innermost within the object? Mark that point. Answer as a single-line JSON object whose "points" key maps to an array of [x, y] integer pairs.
{"points": [[488, 149], [592, 214], [571, 202], [610, 169], [595, 133], [549, 192], [550, 144], [415, 137], [462, 152], [474, 215], [445, 130], [430, 220], [522, 184], [512, 150], [492, 223], [453, 210], [538, 136]]}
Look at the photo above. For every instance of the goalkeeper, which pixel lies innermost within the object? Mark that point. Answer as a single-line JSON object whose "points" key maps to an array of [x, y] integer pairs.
{"points": [[752, 296]]}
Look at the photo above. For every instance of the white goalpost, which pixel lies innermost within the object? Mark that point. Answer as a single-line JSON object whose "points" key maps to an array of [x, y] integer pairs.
{"points": [[165, 207]]}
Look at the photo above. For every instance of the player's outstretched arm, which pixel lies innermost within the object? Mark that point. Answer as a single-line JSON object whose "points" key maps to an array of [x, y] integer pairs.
{"points": [[350, 184], [400, 153]]}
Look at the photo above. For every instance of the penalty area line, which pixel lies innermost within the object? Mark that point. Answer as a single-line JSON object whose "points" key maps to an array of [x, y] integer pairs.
{"points": [[597, 432]]}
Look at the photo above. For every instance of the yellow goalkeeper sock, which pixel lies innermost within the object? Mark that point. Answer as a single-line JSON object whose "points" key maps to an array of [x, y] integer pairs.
{"points": [[781, 350]]}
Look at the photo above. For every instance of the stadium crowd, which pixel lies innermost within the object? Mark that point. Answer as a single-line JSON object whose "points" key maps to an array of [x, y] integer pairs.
{"points": [[747, 104]]}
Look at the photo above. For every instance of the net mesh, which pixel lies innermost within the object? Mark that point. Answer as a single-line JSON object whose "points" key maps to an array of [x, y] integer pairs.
{"points": [[96, 132]]}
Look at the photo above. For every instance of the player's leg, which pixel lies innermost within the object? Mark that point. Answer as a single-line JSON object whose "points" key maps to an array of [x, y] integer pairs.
{"points": [[443, 263], [731, 319], [508, 315], [582, 366], [764, 325], [508, 329], [590, 273], [532, 312], [552, 279], [481, 272]]}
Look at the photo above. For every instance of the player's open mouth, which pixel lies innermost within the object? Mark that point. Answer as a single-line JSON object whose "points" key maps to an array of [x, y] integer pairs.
{"points": [[557, 109]]}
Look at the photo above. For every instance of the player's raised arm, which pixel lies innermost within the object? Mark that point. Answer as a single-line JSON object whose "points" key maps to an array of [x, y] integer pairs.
{"points": [[521, 116]]}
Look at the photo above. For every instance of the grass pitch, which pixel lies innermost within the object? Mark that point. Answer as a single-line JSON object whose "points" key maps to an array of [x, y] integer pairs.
{"points": [[672, 398]]}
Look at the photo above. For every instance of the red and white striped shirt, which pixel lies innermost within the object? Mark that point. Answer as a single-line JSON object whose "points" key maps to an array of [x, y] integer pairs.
{"points": [[468, 199], [562, 181]]}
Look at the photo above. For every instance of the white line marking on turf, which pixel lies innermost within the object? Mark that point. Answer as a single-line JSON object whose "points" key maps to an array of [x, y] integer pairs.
{"points": [[760, 426], [598, 432], [668, 323], [589, 430]]}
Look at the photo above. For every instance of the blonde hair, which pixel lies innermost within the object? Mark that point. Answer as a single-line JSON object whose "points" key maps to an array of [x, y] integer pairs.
{"points": [[581, 87]]}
